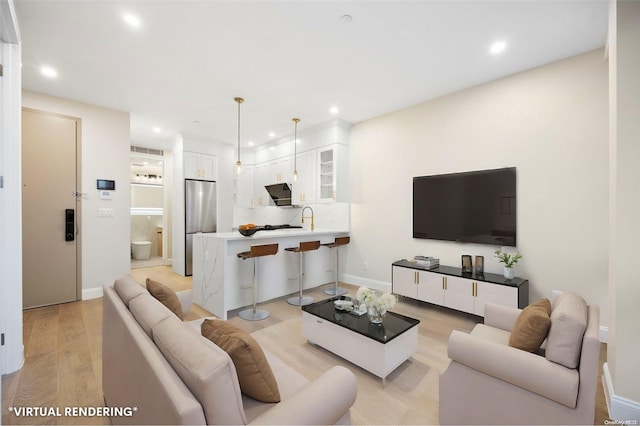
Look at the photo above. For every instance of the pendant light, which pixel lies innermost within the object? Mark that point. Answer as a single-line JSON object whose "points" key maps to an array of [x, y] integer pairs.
{"points": [[238, 163], [295, 148]]}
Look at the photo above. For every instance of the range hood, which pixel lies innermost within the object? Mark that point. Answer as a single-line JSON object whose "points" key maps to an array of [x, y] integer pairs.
{"points": [[280, 193]]}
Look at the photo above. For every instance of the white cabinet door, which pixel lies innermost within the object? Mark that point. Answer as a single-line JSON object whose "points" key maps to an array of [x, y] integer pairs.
{"points": [[260, 179], [431, 287], [209, 167], [191, 166], [404, 281], [244, 187], [459, 294], [303, 190], [500, 294]]}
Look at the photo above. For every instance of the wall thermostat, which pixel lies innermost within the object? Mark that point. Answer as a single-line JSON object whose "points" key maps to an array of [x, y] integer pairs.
{"points": [[109, 185]]}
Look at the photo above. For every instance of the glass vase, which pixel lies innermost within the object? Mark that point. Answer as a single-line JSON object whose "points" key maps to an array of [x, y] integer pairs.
{"points": [[508, 273], [376, 316]]}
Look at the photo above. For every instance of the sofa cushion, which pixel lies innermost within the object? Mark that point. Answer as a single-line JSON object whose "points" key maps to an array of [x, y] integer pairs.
{"points": [[148, 312], [166, 296], [206, 369], [128, 289], [531, 326], [568, 324], [254, 373]]}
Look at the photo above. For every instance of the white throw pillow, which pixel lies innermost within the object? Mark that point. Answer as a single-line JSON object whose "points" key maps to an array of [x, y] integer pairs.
{"points": [[568, 325]]}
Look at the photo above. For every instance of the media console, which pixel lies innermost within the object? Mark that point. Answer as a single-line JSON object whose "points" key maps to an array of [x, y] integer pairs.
{"points": [[449, 287]]}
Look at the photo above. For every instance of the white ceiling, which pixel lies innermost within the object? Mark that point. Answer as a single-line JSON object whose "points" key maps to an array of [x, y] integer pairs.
{"points": [[189, 59]]}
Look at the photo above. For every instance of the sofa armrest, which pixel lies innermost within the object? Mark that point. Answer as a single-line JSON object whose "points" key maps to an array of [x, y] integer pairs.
{"points": [[322, 402], [500, 316], [520, 368], [186, 299]]}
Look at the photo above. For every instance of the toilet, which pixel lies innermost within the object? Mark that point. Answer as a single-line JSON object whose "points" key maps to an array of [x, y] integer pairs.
{"points": [[141, 250]]}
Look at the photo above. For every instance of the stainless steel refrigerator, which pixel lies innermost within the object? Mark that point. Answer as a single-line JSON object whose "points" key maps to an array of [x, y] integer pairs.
{"points": [[199, 214]]}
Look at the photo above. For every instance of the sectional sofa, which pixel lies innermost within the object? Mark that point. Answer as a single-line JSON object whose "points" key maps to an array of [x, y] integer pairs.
{"points": [[157, 369]]}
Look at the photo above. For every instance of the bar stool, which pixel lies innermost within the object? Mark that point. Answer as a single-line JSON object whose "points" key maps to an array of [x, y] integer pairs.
{"points": [[255, 252], [304, 246], [339, 241]]}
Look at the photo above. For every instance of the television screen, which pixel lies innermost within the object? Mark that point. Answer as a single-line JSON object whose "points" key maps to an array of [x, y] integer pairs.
{"points": [[476, 207]]}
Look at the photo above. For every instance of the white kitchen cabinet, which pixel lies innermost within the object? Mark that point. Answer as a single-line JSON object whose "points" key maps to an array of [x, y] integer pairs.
{"points": [[245, 188], [280, 170], [303, 190], [446, 286], [332, 184], [200, 166], [261, 173]]}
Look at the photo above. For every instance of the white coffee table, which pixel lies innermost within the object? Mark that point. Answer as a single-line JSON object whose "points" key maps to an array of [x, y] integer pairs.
{"points": [[379, 349]]}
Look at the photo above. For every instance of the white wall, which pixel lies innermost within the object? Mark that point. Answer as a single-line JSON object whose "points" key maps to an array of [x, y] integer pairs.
{"points": [[621, 370], [105, 152], [550, 123]]}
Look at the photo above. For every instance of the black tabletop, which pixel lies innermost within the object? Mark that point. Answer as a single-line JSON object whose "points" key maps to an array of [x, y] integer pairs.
{"points": [[392, 326]]}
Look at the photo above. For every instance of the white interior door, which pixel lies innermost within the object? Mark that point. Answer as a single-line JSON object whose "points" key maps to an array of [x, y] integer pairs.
{"points": [[49, 208]]}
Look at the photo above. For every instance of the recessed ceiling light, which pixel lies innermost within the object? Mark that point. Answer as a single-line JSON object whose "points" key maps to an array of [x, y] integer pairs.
{"points": [[498, 47], [250, 143], [272, 147], [333, 110], [157, 130], [132, 20], [272, 135], [48, 71], [346, 19]]}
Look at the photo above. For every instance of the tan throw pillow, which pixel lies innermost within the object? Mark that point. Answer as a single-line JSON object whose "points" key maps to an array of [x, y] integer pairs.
{"points": [[254, 373], [531, 326], [166, 296]]}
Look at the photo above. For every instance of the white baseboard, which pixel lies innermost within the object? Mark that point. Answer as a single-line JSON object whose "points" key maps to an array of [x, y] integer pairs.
{"points": [[366, 282], [91, 293], [620, 409], [604, 334]]}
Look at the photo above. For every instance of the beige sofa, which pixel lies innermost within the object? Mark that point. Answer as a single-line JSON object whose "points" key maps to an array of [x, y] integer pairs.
{"points": [[489, 382], [157, 369]]}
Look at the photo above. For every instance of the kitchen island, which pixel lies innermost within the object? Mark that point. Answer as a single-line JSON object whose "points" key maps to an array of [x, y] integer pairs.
{"points": [[223, 282]]}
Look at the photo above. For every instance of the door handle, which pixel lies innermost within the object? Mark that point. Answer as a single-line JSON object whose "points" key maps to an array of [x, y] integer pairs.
{"points": [[69, 225]]}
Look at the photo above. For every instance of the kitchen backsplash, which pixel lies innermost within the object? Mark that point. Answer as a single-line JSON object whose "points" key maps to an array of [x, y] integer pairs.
{"points": [[333, 216]]}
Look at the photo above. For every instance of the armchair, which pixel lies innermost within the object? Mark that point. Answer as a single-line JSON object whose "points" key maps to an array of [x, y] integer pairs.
{"points": [[489, 382]]}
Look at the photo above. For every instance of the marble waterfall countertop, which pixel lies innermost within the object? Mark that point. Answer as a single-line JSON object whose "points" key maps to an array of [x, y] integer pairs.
{"points": [[223, 282]]}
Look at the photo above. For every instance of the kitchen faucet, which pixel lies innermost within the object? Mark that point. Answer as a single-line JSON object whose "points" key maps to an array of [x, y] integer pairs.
{"points": [[303, 209]]}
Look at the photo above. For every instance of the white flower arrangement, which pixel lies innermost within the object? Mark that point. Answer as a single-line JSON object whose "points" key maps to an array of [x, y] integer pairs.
{"points": [[376, 299]]}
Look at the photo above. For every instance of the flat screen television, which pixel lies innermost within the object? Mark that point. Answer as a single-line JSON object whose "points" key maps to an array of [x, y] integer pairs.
{"points": [[475, 207]]}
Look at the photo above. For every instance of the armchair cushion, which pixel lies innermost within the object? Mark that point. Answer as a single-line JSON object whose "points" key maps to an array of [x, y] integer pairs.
{"points": [[568, 324], [531, 326], [254, 373], [166, 296]]}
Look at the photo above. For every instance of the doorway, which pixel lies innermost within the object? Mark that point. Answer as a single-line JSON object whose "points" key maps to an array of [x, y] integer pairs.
{"points": [[147, 212], [50, 208]]}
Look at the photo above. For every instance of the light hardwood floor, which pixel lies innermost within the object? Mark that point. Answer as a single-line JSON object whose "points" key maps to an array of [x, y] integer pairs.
{"points": [[63, 359]]}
